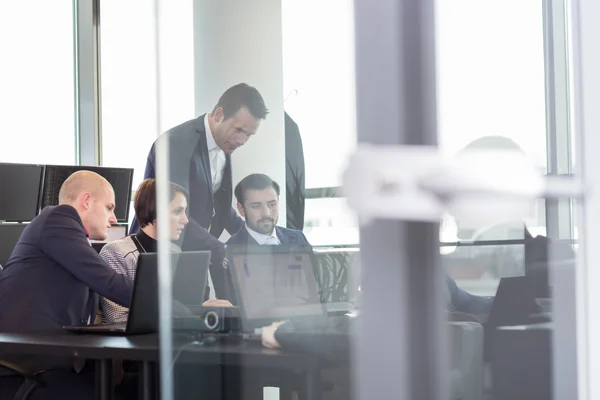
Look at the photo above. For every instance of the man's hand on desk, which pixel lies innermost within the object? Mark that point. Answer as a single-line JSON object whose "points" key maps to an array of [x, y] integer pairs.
{"points": [[268, 335], [217, 303]]}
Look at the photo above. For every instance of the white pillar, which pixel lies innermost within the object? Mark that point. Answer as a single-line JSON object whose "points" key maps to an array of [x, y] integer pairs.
{"points": [[240, 41], [586, 97]]}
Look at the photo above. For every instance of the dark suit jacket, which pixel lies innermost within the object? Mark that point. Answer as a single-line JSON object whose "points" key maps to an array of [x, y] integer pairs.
{"points": [[286, 236], [330, 338], [294, 175], [189, 166], [53, 276]]}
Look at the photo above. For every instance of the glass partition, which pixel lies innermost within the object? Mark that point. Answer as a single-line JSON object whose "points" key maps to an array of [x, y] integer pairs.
{"points": [[251, 254], [273, 312]]}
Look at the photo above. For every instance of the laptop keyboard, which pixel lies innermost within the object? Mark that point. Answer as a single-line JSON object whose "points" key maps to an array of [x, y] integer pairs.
{"points": [[117, 326]]}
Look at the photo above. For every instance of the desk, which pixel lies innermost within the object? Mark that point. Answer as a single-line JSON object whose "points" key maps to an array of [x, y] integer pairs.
{"points": [[522, 362], [144, 348]]}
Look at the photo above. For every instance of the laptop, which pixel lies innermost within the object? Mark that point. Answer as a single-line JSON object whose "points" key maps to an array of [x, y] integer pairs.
{"points": [[274, 283], [513, 305], [514, 302], [190, 275]]}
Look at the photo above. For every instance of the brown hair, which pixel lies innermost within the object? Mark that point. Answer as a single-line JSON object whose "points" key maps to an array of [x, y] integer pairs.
{"points": [[144, 202]]}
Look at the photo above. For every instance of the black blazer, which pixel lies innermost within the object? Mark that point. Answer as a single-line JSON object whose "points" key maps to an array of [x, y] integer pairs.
{"points": [[189, 167], [53, 276], [294, 175], [286, 236]]}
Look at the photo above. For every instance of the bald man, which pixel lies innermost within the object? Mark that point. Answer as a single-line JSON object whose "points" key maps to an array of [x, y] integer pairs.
{"points": [[53, 276]]}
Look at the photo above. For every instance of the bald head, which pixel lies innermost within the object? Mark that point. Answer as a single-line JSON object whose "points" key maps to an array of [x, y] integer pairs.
{"points": [[93, 198], [81, 182]]}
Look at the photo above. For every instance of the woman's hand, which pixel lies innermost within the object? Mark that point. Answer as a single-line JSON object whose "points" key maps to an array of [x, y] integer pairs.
{"points": [[268, 335]]}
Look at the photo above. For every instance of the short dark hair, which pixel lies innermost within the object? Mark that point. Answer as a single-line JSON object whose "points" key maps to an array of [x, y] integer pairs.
{"points": [[144, 202], [242, 95], [255, 182]]}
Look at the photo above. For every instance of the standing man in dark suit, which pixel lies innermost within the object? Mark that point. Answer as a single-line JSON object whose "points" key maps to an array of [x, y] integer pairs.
{"points": [[200, 161], [258, 202], [54, 276], [295, 175]]}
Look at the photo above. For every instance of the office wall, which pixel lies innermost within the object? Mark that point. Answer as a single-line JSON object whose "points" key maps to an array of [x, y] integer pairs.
{"points": [[240, 41]]}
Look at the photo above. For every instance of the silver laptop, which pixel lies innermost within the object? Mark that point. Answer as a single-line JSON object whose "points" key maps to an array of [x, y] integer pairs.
{"points": [[274, 283]]}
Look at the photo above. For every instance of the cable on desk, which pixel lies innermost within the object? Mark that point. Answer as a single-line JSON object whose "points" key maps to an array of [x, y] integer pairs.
{"points": [[204, 341], [185, 346]]}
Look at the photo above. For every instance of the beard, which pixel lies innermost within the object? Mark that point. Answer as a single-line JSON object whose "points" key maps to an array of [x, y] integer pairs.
{"points": [[264, 225]]}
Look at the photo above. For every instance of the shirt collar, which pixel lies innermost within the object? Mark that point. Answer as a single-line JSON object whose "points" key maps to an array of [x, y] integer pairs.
{"points": [[210, 140], [87, 235], [261, 238]]}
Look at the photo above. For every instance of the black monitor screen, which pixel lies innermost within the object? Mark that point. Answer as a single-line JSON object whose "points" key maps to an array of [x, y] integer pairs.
{"points": [[119, 178], [10, 234], [20, 186]]}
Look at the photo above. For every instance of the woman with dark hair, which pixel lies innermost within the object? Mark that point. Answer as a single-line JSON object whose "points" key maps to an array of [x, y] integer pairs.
{"points": [[122, 255]]}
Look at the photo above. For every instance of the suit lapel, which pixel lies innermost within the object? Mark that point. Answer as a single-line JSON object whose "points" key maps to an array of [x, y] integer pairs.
{"points": [[249, 238], [283, 237]]}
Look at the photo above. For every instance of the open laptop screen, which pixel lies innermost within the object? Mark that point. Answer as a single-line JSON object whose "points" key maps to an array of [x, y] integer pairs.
{"points": [[190, 274], [275, 282]]}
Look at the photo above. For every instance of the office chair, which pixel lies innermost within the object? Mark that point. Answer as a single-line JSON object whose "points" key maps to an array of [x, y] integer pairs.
{"points": [[31, 382]]}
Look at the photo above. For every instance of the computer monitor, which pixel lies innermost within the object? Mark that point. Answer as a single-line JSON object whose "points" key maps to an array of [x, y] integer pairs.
{"points": [[20, 185], [10, 234], [274, 283], [119, 178]]}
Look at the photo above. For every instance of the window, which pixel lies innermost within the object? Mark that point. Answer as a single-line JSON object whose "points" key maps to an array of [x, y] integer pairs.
{"points": [[128, 70], [330, 222], [490, 72], [318, 73], [491, 84], [37, 82]]}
